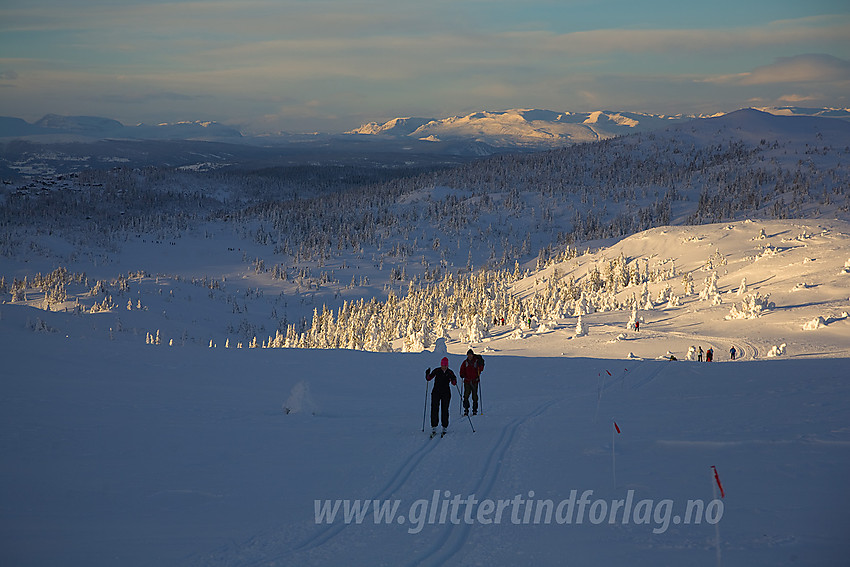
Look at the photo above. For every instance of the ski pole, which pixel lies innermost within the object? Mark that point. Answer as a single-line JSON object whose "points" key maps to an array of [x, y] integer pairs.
{"points": [[460, 400], [467, 415], [425, 409], [470, 423], [480, 396]]}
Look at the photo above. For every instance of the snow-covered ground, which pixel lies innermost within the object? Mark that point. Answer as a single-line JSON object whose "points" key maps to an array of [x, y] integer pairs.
{"points": [[117, 452]]}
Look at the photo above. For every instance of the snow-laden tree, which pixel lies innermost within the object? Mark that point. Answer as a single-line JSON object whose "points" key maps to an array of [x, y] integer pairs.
{"points": [[581, 329], [776, 350], [752, 307], [427, 336], [633, 319], [710, 291], [582, 305], [664, 294], [688, 283], [476, 330]]}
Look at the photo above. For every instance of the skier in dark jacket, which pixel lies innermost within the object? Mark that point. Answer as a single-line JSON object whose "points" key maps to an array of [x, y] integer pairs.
{"points": [[470, 372], [441, 394]]}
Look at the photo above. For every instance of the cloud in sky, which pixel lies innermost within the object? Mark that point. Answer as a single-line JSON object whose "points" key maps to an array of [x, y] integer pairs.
{"points": [[808, 68], [332, 64]]}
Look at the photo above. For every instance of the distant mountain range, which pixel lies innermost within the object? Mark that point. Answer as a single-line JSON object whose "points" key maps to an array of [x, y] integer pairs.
{"points": [[64, 144], [508, 129], [82, 128], [532, 128], [528, 128]]}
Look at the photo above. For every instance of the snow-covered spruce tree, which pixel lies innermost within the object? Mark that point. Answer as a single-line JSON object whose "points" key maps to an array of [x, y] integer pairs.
{"points": [[426, 335], [665, 294], [645, 301], [752, 307], [378, 341], [581, 330], [105, 305], [582, 305], [777, 350], [688, 283], [633, 318], [412, 339], [710, 291]]}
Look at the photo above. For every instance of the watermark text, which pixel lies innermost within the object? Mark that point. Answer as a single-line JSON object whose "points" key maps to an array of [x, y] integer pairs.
{"points": [[444, 507]]}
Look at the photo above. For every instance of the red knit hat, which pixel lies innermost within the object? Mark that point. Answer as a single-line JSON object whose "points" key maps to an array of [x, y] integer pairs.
{"points": [[444, 362]]}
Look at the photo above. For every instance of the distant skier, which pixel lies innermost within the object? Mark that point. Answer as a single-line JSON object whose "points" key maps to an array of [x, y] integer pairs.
{"points": [[470, 371], [709, 355], [441, 394], [637, 326], [732, 352], [699, 355]]}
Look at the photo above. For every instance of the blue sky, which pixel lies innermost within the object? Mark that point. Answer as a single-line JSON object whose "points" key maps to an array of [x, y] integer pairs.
{"points": [[331, 65]]}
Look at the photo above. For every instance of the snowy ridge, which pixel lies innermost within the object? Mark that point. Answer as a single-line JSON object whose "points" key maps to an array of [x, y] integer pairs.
{"points": [[53, 127], [523, 127], [546, 128]]}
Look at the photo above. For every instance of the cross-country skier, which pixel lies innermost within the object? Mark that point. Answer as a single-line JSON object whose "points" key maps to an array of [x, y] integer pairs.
{"points": [[441, 394], [709, 355], [732, 352], [470, 371], [699, 355]]}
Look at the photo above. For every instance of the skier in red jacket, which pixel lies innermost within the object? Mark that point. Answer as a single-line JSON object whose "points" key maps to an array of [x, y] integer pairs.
{"points": [[470, 371]]}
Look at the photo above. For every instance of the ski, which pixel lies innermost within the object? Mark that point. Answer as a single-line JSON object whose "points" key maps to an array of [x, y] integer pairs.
{"points": [[443, 434]]}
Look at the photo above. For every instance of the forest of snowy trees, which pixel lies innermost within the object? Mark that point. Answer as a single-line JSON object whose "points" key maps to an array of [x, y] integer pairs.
{"points": [[606, 189], [450, 239]]}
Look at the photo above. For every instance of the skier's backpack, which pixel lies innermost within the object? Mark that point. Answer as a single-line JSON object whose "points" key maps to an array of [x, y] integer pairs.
{"points": [[480, 363]]}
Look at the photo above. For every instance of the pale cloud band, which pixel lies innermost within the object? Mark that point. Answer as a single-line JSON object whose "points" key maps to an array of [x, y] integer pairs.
{"points": [[365, 60]]}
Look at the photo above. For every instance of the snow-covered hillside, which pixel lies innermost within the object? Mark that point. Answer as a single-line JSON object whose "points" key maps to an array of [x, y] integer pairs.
{"points": [[122, 452], [754, 285]]}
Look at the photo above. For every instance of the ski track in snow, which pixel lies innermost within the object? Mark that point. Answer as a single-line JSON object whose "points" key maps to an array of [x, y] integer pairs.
{"points": [[396, 481], [746, 349], [649, 377], [328, 532], [453, 537]]}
